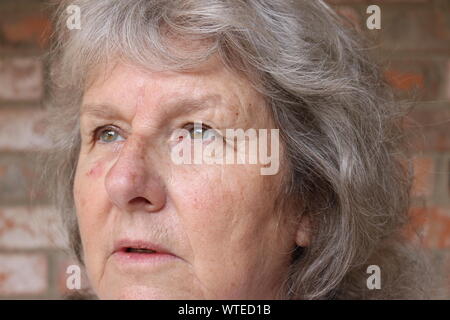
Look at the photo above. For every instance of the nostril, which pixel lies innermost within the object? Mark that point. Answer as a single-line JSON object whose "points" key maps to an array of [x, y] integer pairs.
{"points": [[139, 200]]}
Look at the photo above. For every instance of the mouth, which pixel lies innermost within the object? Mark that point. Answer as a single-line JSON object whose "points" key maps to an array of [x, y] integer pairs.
{"points": [[128, 252], [139, 247], [139, 250]]}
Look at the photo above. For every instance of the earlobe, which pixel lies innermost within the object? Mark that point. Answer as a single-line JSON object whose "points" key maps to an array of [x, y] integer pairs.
{"points": [[302, 236]]}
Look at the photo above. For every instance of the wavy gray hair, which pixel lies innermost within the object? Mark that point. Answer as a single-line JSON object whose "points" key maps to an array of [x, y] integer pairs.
{"points": [[336, 117]]}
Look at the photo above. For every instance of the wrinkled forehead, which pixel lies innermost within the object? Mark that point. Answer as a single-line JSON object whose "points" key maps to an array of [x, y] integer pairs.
{"points": [[208, 86]]}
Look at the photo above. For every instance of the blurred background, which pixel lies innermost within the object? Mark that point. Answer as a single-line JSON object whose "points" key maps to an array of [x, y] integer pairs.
{"points": [[413, 42]]}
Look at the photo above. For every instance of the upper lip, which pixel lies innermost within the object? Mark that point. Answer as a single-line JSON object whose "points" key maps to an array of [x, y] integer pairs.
{"points": [[123, 244]]}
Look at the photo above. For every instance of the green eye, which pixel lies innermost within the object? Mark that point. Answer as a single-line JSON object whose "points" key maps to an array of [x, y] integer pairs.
{"points": [[199, 131], [109, 135]]}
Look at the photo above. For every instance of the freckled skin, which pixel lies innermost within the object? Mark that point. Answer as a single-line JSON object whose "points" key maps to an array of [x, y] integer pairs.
{"points": [[219, 220], [96, 171]]}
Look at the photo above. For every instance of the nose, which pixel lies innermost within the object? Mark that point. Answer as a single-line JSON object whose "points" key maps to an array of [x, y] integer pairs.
{"points": [[132, 183]]}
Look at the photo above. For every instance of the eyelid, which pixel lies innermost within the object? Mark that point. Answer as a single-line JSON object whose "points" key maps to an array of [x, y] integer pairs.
{"points": [[192, 125], [98, 130]]}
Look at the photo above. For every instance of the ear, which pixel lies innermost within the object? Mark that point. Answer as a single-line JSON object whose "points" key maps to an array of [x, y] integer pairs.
{"points": [[303, 234]]}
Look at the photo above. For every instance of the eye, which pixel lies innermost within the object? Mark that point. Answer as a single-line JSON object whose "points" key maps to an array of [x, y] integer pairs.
{"points": [[107, 135], [201, 131]]}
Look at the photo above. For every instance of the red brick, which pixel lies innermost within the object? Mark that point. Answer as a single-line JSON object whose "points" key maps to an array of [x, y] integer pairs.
{"points": [[421, 27], [404, 80], [352, 17], [30, 228], [23, 274], [423, 176], [447, 82], [432, 224], [428, 129], [416, 79], [20, 79], [18, 179], [29, 29], [23, 130], [448, 179]]}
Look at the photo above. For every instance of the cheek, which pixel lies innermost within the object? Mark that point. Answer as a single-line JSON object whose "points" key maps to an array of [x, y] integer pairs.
{"points": [[95, 171], [91, 203], [208, 197], [228, 205], [91, 200], [87, 180], [229, 222]]}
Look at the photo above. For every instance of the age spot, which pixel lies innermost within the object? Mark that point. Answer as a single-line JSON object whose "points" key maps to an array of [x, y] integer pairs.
{"points": [[96, 171]]}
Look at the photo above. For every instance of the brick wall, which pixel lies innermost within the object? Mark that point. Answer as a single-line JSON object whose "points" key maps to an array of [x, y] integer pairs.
{"points": [[414, 41], [414, 45], [32, 259]]}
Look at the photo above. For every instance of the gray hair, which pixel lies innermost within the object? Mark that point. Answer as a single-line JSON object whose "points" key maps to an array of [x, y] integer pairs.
{"points": [[337, 120]]}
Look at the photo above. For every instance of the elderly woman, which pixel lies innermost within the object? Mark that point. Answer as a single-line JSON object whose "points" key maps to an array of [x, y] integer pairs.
{"points": [[141, 78]]}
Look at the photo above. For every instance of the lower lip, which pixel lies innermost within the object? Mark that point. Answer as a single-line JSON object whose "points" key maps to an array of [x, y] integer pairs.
{"points": [[142, 258]]}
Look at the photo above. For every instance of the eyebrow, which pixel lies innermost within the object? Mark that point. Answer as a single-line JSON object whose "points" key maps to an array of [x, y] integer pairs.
{"points": [[178, 105], [102, 110]]}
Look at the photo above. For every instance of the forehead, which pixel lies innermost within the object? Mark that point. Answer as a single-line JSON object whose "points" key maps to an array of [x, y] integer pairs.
{"points": [[209, 84]]}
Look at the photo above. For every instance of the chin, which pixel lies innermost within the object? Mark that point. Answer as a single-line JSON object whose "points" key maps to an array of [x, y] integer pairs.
{"points": [[141, 292]]}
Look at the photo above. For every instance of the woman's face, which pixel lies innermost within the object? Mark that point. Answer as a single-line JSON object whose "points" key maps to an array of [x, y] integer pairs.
{"points": [[214, 227]]}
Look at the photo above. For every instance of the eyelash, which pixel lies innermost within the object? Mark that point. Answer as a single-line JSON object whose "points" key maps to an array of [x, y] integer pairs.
{"points": [[191, 125], [96, 133], [217, 134]]}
